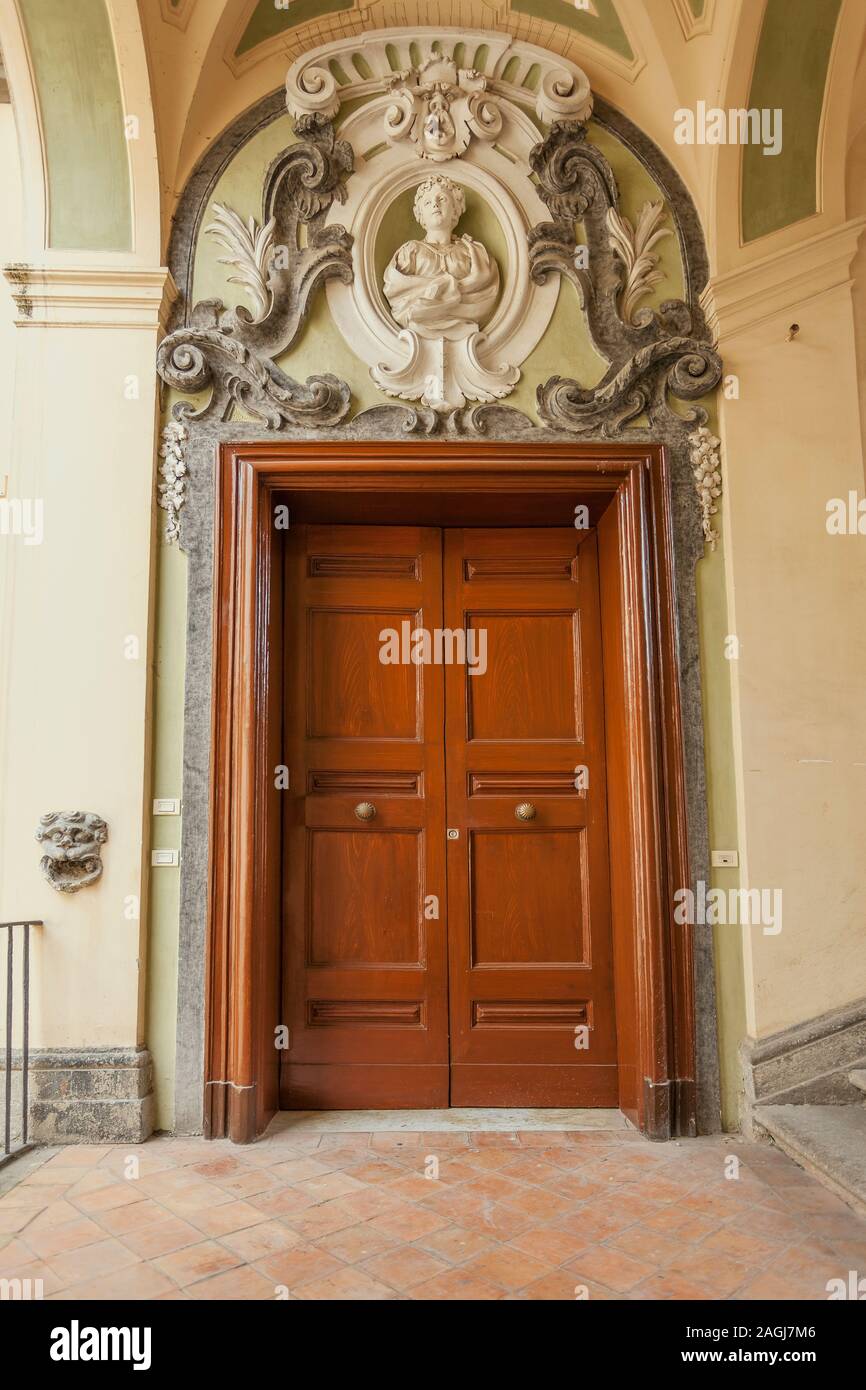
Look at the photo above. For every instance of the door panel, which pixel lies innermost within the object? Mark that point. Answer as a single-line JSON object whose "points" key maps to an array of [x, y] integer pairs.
{"points": [[518, 943], [365, 976], [528, 900]]}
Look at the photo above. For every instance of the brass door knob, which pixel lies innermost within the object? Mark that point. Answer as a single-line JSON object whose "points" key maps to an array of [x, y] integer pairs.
{"points": [[525, 811], [365, 810]]}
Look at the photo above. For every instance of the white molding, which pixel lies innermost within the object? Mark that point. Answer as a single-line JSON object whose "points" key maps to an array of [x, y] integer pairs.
{"points": [[142, 157], [28, 126], [741, 299], [693, 27], [67, 297], [562, 92]]}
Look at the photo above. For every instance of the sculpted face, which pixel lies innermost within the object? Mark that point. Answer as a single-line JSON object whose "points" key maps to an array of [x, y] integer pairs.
{"points": [[439, 130], [439, 205], [71, 842]]}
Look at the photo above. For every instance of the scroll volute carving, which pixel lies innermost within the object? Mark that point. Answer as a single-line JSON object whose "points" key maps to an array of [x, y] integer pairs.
{"points": [[232, 351], [652, 354]]}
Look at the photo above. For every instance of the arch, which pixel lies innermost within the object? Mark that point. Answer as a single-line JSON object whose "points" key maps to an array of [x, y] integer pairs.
{"points": [[56, 227], [728, 249]]}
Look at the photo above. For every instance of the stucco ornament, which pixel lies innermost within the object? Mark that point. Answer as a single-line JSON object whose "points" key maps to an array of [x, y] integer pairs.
{"points": [[634, 247], [72, 842], [172, 489], [704, 450], [652, 354], [439, 107], [440, 291], [232, 351]]}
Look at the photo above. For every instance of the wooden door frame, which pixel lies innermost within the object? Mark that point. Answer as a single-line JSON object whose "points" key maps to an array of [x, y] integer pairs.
{"points": [[628, 488]]}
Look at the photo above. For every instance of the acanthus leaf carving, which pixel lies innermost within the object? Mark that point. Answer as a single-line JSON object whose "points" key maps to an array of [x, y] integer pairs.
{"points": [[251, 248], [232, 351], [633, 245]]}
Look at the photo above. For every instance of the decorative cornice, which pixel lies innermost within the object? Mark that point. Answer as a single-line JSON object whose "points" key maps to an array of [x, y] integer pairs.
{"points": [[559, 89], [741, 299], [97, 297]]}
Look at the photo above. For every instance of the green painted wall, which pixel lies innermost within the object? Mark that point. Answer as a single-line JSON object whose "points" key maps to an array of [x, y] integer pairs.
{"points": [[565, 350], [267, 20], [169, 666], [790, 74], [721, 805], [604, 27], [78, 88]]}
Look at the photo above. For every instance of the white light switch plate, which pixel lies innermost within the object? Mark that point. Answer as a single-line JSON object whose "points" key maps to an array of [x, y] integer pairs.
{"points": [[162, 858], [166, 806]]}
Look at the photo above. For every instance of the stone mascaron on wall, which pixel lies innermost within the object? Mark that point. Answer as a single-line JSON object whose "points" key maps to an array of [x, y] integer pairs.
{"points": [[72, 843], [440, 107], [538, 191]]}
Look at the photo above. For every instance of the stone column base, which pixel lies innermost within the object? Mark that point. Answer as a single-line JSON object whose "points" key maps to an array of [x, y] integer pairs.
{"points": [[99, 1095]]}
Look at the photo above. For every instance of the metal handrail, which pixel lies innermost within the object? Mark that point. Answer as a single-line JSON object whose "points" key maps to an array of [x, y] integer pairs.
{"points": [[8, 1151]]}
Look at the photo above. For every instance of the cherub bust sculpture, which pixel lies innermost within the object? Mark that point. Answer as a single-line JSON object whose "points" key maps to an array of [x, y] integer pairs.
{"points": [[440, 290]]}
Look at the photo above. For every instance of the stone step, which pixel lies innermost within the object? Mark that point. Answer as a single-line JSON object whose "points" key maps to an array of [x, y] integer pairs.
{"points": [[858, 1079], [829, 1141]]}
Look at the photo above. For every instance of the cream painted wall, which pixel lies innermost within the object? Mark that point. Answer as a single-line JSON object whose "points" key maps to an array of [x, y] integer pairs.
{"points": [[796, 599], [76, 610], [10, 250], [74, 719]]}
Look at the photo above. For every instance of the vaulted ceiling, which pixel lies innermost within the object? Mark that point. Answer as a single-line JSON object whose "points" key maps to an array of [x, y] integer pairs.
{"points": [[206, 61]]}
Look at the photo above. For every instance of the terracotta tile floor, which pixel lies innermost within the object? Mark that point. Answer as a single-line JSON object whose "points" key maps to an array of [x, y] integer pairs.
{"points": [[529, 1215]]}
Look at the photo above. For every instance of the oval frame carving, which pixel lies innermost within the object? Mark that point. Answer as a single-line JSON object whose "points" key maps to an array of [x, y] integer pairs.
{"points": [[359, 308]]}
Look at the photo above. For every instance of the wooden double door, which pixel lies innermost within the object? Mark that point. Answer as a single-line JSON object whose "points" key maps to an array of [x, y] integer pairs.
{"points": [[446, 896]]}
